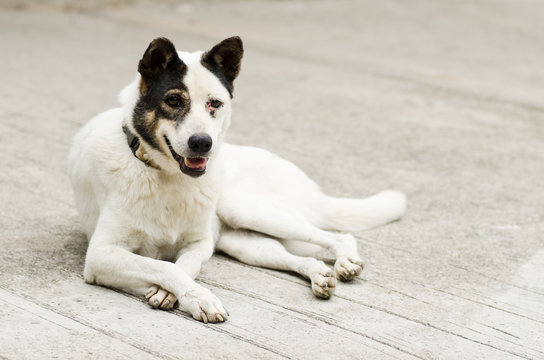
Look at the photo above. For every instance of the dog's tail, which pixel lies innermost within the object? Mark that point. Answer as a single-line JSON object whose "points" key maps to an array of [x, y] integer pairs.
{"points": [[352, 215]]}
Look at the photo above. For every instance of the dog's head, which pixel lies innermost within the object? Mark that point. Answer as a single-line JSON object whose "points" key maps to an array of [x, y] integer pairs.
{"points": [[180, 105]]}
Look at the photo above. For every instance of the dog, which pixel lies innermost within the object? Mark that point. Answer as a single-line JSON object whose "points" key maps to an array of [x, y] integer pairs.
{"points": [[157, 190]]}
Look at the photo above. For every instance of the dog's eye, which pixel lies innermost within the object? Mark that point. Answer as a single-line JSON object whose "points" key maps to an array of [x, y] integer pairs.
{"points": [[173, 100], [216, 104]]}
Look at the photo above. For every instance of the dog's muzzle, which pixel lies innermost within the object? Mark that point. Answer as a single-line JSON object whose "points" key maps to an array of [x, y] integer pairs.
{"points": [[192, 166]]}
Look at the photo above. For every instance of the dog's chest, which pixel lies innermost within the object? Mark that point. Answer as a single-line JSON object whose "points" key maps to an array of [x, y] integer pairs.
{"points": [[174, 212]]}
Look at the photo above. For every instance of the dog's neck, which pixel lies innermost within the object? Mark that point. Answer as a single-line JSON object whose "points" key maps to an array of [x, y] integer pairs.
{"points": [[137, 148]]}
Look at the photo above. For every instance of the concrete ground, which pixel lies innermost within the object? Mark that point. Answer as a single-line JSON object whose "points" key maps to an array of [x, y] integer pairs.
{"points": [[442, 100]]}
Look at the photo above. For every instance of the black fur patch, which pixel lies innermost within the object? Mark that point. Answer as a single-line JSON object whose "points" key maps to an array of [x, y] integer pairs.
{"points": [[224, 61], [162, 73]]}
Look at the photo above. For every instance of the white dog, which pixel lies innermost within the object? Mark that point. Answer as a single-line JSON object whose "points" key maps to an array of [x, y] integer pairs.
{"points": [[156, 190]]}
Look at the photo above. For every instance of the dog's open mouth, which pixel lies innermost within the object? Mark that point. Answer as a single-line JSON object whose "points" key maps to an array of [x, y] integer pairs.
{"points": [[192, 166]]}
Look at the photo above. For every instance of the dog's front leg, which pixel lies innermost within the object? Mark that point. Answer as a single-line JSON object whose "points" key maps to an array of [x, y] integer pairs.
{"points": [[190, 259], [111, 262], [193, 255]]}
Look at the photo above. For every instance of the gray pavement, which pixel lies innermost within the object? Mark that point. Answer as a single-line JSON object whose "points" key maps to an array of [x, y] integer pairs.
{"points": [[442, 100]]}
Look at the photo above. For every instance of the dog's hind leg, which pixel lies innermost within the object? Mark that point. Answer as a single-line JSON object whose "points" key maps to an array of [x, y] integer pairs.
{"points": [[348, 263], [259, 250], [304, 219], [288, 227]]}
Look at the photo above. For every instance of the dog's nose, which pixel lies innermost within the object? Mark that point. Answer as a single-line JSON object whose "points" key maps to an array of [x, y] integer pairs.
{"points": [[200, 143]]}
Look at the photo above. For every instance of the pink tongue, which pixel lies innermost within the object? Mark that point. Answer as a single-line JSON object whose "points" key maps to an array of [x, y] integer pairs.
{"points": [[196, 162]]}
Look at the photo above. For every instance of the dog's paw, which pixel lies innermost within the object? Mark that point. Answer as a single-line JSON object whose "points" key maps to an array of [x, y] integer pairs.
{"points": [[347, 268], [323, 283], [203, 305], [159, 298]]}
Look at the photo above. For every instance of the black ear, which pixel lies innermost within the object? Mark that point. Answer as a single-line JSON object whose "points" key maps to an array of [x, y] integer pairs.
{"points": [[159, 54], [224, 60]]}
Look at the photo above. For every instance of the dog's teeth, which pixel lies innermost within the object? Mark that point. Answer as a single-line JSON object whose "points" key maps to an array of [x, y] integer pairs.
{"points": [[186, 161]]}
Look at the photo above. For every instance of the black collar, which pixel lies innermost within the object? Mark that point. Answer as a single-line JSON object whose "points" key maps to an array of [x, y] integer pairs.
{"points": [[132, 140], [134, 145]]}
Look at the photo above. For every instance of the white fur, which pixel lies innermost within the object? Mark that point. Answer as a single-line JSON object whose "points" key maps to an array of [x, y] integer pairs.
{"points": [[150, 230]]}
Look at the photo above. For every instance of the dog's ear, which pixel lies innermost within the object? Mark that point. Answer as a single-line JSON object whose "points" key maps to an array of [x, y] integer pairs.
{"points": [[224, 60], [159, 54]]}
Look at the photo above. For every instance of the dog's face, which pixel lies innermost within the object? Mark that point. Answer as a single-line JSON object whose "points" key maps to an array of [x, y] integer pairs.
{"points": [[184, 104]]}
